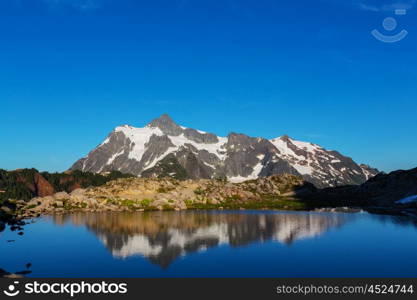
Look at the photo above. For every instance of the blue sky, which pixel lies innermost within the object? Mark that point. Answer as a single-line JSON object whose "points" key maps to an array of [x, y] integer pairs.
{"points": [[72, 70]]}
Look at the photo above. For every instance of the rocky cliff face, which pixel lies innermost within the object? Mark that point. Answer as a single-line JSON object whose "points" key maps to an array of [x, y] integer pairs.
{"points": [[24, 184], [164, 148], [42, 187]]}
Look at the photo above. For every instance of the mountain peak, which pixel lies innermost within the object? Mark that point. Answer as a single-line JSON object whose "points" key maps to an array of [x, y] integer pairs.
{"points": [[167, 125], [164, 118], [285, 138]]}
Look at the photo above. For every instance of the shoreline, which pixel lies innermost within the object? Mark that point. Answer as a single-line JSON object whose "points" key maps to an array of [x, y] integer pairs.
{"points": [[380, 195], [18, 220]]}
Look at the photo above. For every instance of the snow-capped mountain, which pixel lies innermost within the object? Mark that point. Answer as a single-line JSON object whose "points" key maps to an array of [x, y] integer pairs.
{"points": [[163, 148]]}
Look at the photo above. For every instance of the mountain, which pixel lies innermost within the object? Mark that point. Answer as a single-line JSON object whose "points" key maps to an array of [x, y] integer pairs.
{"points": [[164, 148]]}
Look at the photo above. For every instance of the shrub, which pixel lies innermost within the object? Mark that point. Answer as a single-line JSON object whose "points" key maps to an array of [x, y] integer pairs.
{"points": [[145, 202]]}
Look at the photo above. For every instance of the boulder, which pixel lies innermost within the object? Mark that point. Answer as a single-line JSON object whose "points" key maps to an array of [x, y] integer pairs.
{"points": [[78, 192], [79, 198], [47, 200], [91, 202], [62, 196], [6, 209], [180, 205], [160, 203], [34, 201]]}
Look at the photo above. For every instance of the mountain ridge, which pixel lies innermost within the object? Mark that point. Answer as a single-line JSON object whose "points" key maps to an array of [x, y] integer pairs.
{"points": [[197, 154]]}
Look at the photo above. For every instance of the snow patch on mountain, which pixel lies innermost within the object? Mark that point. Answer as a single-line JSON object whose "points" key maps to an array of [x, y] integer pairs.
{"points": [[306, 146], [140, 137], [181, 140]]}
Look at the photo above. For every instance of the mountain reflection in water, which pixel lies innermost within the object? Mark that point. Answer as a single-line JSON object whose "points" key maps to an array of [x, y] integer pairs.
{"points": [[162, 237]]}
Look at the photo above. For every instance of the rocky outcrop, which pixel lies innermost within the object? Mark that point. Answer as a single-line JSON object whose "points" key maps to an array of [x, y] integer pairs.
{"points": [[139, 194], [43, 187], [29, 179]]}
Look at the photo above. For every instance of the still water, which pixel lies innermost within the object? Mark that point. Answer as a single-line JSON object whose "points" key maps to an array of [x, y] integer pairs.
{"points": [[214, 244]]}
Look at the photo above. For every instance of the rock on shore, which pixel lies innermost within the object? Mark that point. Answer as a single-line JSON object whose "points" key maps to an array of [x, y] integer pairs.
{"points": [[140, 194]]}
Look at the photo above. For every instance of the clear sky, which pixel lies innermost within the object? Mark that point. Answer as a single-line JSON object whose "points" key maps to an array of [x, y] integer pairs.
{"points": [[72, 70]]}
